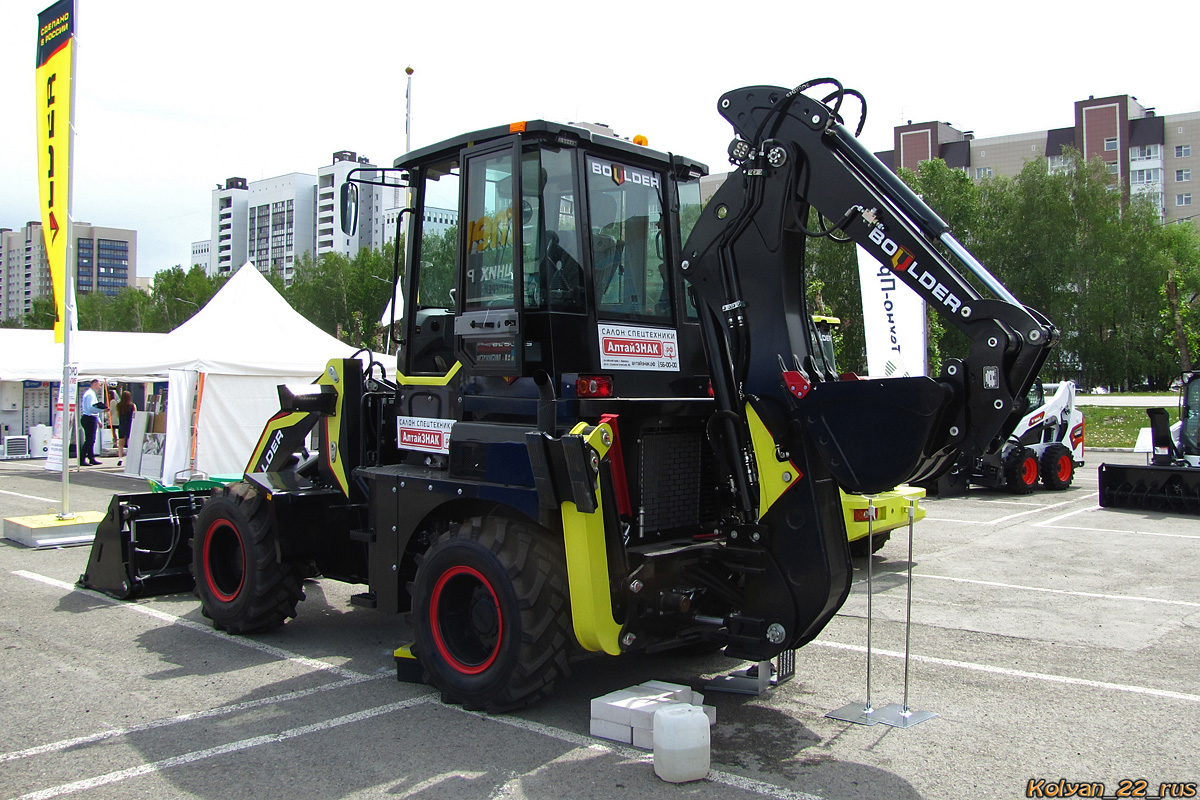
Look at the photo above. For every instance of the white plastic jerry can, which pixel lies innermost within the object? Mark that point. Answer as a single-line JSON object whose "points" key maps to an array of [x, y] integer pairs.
{"points": [[682, 748]]}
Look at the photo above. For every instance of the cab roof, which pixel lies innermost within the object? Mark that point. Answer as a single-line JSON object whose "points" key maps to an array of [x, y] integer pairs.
{"points": [[571, 135]]}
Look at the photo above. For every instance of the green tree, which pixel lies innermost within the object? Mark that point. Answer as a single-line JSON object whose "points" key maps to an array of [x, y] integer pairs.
{"points": [[177, 295], [832, 289], [957, 200], [345, 297], [41, 316], [1181, 291]]}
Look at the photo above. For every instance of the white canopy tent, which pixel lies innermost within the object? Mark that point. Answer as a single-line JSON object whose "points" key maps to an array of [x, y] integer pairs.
{"points": [[224, 366], [33, 355]]}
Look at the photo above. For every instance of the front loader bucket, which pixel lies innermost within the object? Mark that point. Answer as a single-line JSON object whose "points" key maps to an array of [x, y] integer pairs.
{"points": [[1174, 490], [143, 545]]}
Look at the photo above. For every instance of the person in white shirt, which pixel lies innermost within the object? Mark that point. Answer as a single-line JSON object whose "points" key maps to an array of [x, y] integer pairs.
{"points": [[89, 416]]}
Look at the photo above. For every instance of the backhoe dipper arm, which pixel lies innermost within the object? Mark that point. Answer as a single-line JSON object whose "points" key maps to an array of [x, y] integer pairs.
{"points": [[745, 262]]}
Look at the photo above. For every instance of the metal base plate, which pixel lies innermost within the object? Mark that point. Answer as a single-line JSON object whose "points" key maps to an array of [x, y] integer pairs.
{"points": [[47, 530], [898, 717], [858, 713]]}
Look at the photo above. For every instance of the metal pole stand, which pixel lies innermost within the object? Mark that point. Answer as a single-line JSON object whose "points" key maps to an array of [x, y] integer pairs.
{"points": [[899, 715], [864, 713]]}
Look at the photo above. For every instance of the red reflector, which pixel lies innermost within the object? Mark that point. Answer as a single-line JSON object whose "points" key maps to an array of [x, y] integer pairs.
{"points": [[594, 386], [862, 515]]}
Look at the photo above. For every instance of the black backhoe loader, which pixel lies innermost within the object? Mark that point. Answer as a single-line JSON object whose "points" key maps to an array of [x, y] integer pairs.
{"points": [[609, 428]]}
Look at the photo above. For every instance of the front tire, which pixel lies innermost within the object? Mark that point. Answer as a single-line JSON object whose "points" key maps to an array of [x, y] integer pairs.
{"points": [[1021, 470], [1058, 467], [491, 615], [242, 586]]}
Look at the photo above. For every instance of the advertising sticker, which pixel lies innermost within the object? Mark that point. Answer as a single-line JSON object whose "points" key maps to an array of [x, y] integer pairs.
{"points": [[424, 433], [630, 347]]}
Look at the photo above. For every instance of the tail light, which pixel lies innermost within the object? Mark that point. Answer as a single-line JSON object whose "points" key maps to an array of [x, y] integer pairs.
{"points": [[594, 386]]}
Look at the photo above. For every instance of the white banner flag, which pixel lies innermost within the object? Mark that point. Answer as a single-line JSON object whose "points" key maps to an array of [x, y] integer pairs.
{"points": [[893, 322]]}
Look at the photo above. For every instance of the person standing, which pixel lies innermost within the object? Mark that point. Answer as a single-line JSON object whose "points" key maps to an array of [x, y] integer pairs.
{"points": [[89, 416], [125, 410]]}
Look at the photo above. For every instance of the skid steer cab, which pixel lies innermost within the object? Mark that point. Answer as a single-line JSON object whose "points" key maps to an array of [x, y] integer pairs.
{"points": [[609, 427]]}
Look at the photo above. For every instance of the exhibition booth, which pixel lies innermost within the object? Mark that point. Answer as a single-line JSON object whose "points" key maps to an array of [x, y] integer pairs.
{"points": [[222, 369]]}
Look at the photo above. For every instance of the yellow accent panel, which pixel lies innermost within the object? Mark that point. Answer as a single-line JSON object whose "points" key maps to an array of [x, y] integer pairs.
{"points": [[587, 563], [333, 425], [891, 510], [404, 651], [774, 476], [429, 380], [272, 425]]}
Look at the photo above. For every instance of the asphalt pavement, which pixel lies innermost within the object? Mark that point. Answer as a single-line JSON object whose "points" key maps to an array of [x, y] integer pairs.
{"points": [[1054, 640]]}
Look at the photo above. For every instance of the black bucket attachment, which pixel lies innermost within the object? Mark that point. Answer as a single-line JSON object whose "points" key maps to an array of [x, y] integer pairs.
{"points": [[1174, 490], [143, 545]]}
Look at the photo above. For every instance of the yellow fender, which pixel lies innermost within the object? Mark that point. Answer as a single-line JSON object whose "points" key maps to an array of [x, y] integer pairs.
{"points": [[587, 560]]}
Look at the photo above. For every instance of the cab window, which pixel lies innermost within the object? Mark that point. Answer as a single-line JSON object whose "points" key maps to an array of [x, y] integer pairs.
{"points": [[488, 278], [438, 251], [553, 277], [628, 241]]}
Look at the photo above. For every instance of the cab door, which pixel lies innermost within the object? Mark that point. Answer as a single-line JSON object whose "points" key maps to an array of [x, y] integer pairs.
{"points": [[488, 326]]}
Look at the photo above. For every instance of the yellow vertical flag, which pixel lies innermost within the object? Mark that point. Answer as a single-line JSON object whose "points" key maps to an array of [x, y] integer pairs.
{"points": [[55, 107]]}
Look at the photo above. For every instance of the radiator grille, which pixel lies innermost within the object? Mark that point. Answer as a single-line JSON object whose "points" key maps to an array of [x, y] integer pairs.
{"points": [[670, 479]]}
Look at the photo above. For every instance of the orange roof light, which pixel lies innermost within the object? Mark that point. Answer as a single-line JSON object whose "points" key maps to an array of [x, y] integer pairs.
{"points": [[642, 140], [516, 127]]}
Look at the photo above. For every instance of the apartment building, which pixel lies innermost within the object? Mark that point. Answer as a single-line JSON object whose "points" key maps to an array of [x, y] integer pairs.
{"points": [[272, 222], [103, 260], [1148, 155], [200, 254]]}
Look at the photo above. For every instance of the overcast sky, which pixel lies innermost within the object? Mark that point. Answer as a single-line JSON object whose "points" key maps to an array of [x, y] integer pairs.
{"points": [[172, 98]]}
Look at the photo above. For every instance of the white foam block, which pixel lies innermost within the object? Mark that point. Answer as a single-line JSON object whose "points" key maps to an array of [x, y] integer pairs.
{"points": [[613, 731], [614, 706], [643, 738], [678, 691]]}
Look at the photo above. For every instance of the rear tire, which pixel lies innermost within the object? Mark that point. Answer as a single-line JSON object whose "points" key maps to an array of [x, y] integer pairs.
{"points": [[491, 615], [242, 586], [858, 547], [1021, 470], [1058, 467]]}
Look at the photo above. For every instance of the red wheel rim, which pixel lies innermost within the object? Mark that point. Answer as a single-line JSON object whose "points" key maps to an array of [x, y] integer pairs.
{"points": [[1065, 466], [1029, 471], [465, 617], [224, 560]]}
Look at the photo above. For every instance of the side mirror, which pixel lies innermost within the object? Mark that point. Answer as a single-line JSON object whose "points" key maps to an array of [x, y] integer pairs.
{"points": [[349, 208]]}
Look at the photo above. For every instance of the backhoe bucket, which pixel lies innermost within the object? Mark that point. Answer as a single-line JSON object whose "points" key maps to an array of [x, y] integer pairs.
{"points": [[1174, 490], [143, 545]]}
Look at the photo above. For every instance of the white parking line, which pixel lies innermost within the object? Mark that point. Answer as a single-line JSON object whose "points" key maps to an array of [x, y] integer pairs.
{"points": [[634, 754], [220, 750], [1129, 597], [241, 641], [54, 747], [1016, 673], [998, 520], [30, 496], [1052, 523]]}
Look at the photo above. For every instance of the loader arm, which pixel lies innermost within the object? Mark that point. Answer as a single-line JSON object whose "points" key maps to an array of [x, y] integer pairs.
{"points": [[745, 263]]}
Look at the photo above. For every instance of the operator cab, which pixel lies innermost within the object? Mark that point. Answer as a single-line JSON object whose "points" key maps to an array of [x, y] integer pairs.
{"points": [[544, 250]]}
